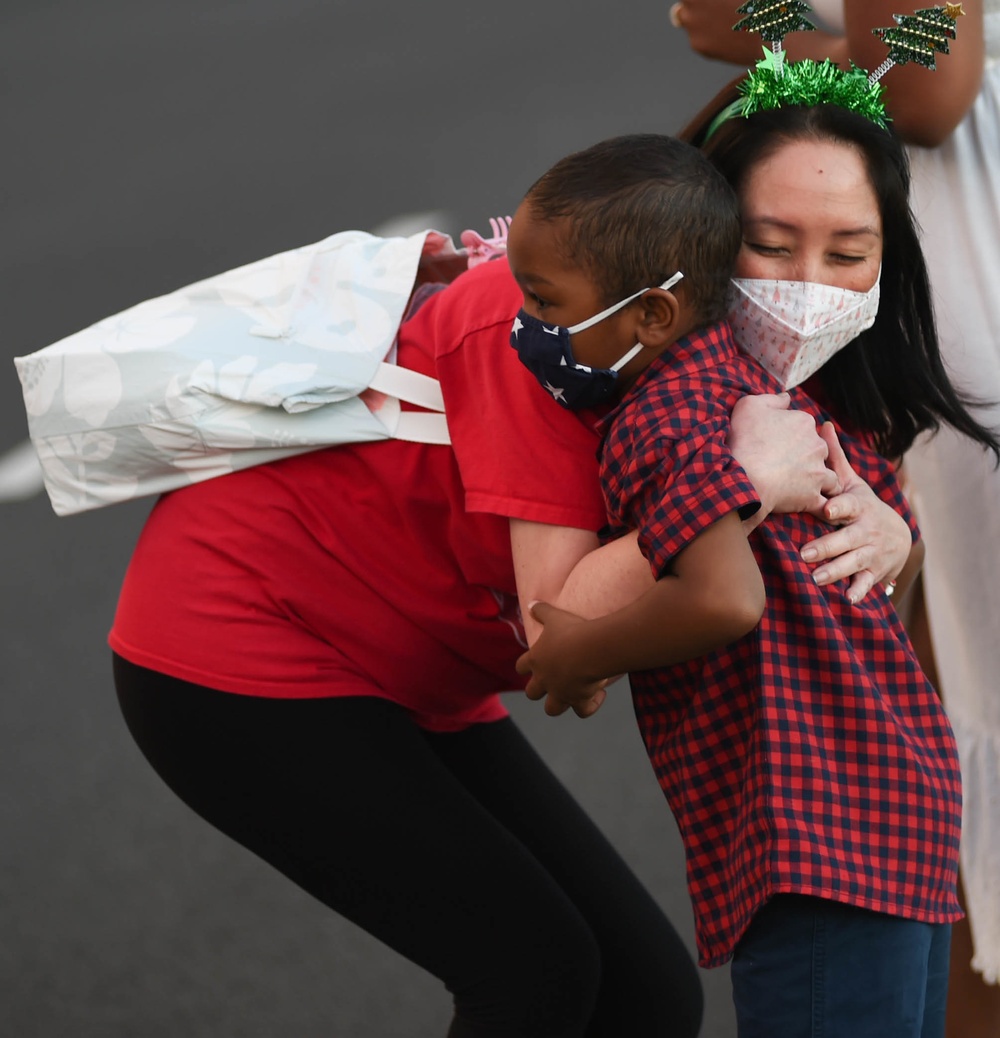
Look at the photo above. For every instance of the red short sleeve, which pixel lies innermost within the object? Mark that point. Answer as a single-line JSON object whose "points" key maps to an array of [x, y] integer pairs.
{"points": [[520, 454]]}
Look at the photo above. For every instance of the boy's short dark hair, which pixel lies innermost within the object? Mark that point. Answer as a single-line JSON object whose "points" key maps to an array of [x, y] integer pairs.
{"points": [[640, 207]]}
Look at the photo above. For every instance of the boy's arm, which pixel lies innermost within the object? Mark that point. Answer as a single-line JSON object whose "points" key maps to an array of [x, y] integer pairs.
{"points": [[712, 596], [777, 447]]}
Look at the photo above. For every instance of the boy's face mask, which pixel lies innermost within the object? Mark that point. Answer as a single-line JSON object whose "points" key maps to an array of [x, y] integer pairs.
{"points": [[792, 328], [545, 350]]}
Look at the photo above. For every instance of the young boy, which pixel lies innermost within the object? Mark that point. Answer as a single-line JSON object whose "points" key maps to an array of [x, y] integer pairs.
{"points": [[809, 764]]}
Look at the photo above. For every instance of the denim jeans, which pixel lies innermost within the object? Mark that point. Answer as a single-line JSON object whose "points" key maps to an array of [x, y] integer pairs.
{"points": [[810, 968]]}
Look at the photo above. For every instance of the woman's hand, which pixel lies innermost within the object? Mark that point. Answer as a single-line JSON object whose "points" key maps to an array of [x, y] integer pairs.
{"points": [[782, 453], [872, 542]]}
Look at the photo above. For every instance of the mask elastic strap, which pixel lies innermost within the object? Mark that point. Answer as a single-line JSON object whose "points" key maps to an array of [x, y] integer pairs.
{"points": [[628, 356], [591, 321]]}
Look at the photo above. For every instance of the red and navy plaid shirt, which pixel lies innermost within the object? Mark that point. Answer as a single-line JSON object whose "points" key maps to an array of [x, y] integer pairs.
{"points": [[811, 756]]}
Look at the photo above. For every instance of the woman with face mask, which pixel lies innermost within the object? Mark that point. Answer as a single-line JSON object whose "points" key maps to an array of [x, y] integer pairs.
{"points": [[950, 122], [878, 366], [835, 276], [823, 232]]}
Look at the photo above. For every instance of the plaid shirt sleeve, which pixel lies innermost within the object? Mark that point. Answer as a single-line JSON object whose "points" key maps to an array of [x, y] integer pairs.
{"points": [[668, 472]]}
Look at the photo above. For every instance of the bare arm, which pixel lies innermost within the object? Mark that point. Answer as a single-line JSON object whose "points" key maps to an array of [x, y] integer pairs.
{"points": [[785, 458], [779, 449], [544, 557], [607, 579], [560, 564], [713, 595], [925, 106], [782, 453], [709, 27]]}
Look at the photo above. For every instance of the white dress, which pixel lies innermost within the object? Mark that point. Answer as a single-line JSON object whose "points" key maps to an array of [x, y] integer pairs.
{"points": [[956, 490]]}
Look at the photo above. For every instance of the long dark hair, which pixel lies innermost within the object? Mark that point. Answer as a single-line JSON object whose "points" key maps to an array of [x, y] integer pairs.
{"points": [[890, 382]]}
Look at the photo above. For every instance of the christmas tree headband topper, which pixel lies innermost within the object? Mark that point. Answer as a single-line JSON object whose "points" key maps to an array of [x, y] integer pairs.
{"points": [[776, 83]]}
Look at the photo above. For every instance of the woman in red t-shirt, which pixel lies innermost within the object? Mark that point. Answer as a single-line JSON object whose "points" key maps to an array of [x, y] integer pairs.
{"points": [[310, 653]]}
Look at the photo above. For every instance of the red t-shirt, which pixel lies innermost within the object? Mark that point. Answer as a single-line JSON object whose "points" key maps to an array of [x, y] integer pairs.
{"points": [[377, 569]]}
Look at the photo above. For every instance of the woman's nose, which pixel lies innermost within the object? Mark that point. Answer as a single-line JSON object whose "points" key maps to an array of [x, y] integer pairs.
{"points": [[809, 269]]}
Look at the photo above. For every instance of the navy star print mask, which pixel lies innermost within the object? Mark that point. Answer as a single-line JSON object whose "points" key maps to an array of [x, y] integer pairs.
{"points": [[545, 350]]}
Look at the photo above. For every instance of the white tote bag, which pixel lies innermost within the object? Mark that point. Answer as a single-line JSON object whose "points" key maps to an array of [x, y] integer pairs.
{"points": [[282, 356]]}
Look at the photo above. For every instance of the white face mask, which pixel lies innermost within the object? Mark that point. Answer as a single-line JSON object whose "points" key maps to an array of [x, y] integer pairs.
{"points": [[792, 328]]}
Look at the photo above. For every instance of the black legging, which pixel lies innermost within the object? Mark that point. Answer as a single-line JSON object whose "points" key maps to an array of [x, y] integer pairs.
{"points": [[463, 852]]}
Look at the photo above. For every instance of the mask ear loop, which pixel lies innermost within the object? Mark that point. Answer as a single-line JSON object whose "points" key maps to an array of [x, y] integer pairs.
{"points": [[618, 365], [591, 321]]}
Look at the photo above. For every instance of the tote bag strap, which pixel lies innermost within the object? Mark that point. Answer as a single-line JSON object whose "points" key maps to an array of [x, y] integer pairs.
{"points": [[414, 388], [406, 384]]}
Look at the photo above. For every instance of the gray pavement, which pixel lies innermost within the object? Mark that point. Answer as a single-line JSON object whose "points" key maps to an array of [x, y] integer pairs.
{"points": [[147, 145]]}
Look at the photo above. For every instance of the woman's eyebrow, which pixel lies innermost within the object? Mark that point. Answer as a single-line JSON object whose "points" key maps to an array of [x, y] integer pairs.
{"points": [[858, 232], [785, 225], [769, 223]]}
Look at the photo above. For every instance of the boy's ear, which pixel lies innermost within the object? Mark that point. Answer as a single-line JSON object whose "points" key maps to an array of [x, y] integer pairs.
{"points": [[662, 318]]}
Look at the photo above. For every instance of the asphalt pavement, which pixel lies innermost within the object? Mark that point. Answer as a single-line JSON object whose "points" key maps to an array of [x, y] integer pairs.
{"points": [[147, 146]]}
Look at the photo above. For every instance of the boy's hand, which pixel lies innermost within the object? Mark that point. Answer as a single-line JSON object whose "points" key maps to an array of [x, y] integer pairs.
{"points": [[550, 663]]}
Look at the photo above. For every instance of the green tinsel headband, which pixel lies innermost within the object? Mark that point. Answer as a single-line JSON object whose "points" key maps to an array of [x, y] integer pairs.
{"points": [[776, 82]]}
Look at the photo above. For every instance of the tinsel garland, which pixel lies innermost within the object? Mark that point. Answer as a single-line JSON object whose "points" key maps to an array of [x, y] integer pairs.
{"points": [[774, 84]]}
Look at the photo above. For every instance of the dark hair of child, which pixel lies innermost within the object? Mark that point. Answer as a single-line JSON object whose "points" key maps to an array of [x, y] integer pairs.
{"points": [[890, 382], [639, 207]]}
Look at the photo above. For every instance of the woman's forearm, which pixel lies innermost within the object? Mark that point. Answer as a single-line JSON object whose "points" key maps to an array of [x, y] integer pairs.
{"points": [[606, 580]]}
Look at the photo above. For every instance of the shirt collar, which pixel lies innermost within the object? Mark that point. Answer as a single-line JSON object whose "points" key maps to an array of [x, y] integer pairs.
{"points": [[705, 348]]}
